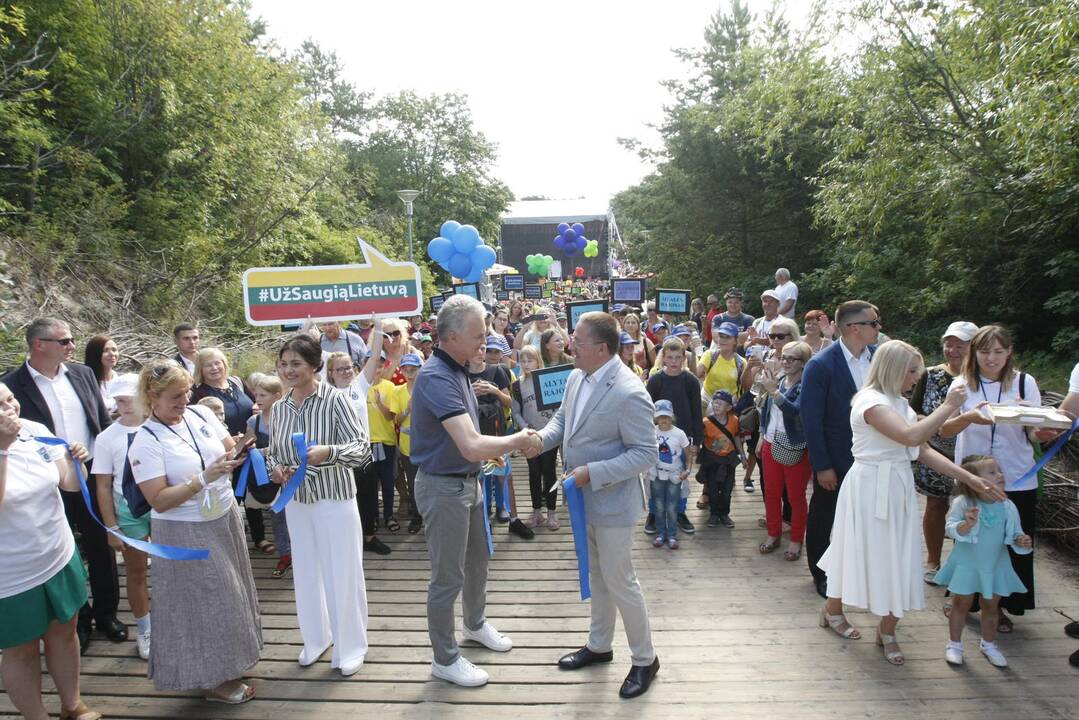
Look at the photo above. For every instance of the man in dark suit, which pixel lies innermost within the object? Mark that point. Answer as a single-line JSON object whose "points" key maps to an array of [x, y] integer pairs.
{"points": [[65, 397], [186, 337], [830, 380]]}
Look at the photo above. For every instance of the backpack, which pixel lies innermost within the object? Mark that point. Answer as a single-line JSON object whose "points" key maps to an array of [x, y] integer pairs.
{"points": [[492, 417], [739, 364], [136, 501]]}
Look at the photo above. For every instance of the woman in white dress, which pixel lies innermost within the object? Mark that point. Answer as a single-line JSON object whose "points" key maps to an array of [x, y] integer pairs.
{"points": [[875, 557]]}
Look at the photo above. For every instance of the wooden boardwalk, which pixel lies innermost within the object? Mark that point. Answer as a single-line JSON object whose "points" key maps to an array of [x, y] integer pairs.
{"points": [[735, 631]]}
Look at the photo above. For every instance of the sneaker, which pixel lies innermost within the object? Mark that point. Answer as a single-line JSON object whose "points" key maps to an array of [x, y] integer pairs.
{"points": [[552, 521], [685, 525], [415, 525], [748, 487], [536, 519], [142, 642], [930, 575], [351, 668], [727, 522], [673, 543], [502, 517], [713, 521], [518, 528], [954, 654], [650, 524], [993, 654], [376, 546], [659, 541], [461, 672], [488, 637]]}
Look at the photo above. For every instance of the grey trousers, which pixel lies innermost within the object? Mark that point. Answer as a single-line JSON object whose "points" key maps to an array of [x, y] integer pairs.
{"points": [[615, 587], [453, 520]]}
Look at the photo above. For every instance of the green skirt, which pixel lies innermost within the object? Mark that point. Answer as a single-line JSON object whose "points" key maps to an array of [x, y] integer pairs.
{"points": [[27, 616]]}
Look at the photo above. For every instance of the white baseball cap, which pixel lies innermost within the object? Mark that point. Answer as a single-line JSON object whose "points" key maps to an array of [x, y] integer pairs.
{"points": [[962, 330], [770, 294]]}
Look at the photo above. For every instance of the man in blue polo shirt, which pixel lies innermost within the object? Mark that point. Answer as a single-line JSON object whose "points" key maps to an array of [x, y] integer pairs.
{"points": [[449, 450]]}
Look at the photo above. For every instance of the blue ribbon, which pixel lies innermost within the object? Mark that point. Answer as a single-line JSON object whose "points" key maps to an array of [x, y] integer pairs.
{"points": [[296, 480], [577, 520], [254, 463], [167, 552], [487, 517], [1049, 454]]}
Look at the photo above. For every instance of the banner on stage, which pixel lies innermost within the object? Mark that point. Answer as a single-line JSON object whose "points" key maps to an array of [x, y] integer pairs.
{"points": [[377, 287]]}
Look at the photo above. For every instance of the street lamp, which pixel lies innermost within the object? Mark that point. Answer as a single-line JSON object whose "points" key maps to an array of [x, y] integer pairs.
{"points": [[407, 196]]}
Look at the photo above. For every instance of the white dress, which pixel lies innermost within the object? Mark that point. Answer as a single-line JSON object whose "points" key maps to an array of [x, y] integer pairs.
{"points": [[875, 557]]}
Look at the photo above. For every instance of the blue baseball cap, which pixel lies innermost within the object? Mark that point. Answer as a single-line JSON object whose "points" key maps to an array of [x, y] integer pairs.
{"points": [[624, 338], [494, 342], [682, 330], [411, 360], [619, 307], [725, 328], [664, 408], [724, 396], [660, 326]]}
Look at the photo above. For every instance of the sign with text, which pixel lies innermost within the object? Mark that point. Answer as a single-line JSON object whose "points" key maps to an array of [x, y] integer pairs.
{"points": [[577, 308], [379, 286], [470, 289], [502, 295], [550, 385], [513, 282], [533, 291], [628, 290], [672, 302], [436, 303]]}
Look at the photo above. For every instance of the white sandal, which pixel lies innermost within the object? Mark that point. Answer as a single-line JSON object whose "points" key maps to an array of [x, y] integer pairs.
{"points": [[835, 622], [895, 657]]}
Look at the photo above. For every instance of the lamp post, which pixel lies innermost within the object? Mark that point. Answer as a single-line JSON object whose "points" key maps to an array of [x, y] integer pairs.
{"points": [[407, 196]]}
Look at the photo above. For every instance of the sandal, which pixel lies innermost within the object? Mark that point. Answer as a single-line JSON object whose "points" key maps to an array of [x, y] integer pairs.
{"points": [[266, 547], [241, 694], [767, 547], [392, 525], [283, 564], [703, 502], [79, 712], [947, 606], [837, 623], [1004, 623], [895, 657], [792, 555]]}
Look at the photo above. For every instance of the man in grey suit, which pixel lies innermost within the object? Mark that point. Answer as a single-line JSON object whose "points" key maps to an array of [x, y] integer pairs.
{"points": [[608, 439]]}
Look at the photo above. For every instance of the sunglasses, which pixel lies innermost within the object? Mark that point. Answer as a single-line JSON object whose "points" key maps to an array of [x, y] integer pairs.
{"points": [[778, 336], [873, 323], [59, 341], [394, 333]]}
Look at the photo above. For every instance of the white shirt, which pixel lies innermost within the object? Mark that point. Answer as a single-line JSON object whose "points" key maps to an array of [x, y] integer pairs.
{"points": [[111, 455], [34, 534], [588, 385], [174, 455], [357, 394], [68, 416], [763, 325], [1073, 381], [188, 365], [672, 460], [787, 291], [859, 366]]}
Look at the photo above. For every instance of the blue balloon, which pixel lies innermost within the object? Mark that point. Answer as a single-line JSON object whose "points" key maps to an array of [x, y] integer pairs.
{"points": [[578, 228], [439, 249], [466, 238], [571, 249], [449, 228], [569, 236], [483, 257], [562, 227], [460, 265], [475, 276], [560, 242]]}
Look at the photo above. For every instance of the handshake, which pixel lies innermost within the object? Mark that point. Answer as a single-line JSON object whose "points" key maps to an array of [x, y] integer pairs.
{"points": [[528, 442]]}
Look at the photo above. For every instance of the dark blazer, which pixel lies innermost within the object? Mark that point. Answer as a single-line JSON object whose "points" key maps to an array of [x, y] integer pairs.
{"points": [[791, 407], [827, 389], [33, 406]]}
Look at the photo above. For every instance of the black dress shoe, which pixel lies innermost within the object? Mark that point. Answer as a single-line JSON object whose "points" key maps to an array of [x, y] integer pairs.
{"points": [[1072, 629], [638, 680], [376, 546], [114, 629], [583, 658], [821, 583], [83, 630]]}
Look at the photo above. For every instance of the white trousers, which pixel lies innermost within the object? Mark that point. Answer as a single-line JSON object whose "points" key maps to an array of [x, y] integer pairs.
{"points": [[615, 589], [327, 574]]}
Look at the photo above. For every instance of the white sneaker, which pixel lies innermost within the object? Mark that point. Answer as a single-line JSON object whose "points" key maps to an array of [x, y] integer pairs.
{"points": [[306, 661], [930, 575], [993, 654], [461, 672], [954, 655], [142, 642], [488, 637], [352, 668]]}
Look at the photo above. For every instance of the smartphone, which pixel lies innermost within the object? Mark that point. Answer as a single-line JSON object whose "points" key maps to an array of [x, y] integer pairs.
{"points": [[241, 448], [528, 319]]}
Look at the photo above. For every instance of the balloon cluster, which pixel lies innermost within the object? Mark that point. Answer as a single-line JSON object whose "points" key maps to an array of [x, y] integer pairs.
{"points": [[591, 249], [459, 250], [570, 238], [539, 264]]}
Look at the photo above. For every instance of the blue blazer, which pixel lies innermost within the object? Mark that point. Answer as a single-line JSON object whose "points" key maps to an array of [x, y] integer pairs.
{"points": [[791, 407], [827, 389]]}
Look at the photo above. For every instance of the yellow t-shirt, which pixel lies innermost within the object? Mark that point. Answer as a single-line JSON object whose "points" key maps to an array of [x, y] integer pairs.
{"points": [[399, 400], [722, 375], [381, 429]]}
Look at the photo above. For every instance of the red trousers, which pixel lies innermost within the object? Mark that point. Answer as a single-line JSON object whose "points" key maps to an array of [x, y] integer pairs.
{"points": [[795, 478]]}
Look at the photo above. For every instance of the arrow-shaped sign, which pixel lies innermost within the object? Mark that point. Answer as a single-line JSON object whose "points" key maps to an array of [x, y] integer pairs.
{"points": [[379, 286]]}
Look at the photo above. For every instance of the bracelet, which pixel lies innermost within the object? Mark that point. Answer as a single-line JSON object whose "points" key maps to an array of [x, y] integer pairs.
{"points": [[114, 527], [4, 453]]}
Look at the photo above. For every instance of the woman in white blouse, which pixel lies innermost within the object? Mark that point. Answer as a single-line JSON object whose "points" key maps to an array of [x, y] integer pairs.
{"points": [[207, 630]]}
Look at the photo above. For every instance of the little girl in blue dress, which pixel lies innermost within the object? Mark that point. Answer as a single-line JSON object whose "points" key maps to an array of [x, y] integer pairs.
{"points": [[979, 563]]}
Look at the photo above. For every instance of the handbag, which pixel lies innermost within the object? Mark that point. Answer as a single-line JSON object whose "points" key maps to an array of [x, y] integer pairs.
{"points": [[784, 451]]}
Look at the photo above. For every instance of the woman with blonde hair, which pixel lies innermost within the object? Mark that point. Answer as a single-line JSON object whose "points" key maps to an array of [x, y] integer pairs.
{"points": [[542, 470], [875, 557], [644, 355]]}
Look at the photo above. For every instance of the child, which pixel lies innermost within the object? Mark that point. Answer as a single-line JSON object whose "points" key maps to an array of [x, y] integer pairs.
{"points": [[110, 460], [722, 451], [268, 390], [979, 562], [668, 475], [542, 469], [216, 406], [400, 403]]}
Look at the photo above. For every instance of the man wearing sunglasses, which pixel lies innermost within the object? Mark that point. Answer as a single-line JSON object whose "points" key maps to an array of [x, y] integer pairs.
{"points": [[64, 397], [336, 339]]}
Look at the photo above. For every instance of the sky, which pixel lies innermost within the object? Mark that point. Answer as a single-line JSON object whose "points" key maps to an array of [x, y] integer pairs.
{"points": [[553, 83]]}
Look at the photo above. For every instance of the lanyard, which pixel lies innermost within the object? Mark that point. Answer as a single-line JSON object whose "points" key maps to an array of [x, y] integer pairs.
{"points": [[993, 429], [194, 444]]}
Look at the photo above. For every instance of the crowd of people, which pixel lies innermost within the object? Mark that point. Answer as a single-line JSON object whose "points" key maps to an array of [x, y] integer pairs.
{"points": [[423, 416]]}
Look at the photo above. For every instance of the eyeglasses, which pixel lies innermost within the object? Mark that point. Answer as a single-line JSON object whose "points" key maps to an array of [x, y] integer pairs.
{"points": [[790, 358], [394, 333], [872, 323], [344, 370], [59, 341], [778, 336]]}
